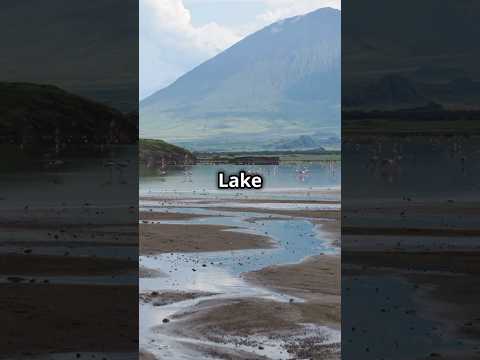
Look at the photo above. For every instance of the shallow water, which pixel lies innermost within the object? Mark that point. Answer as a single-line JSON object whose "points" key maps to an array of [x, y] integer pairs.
{"points": [[220, 272], [280, 181], [193, 191]]}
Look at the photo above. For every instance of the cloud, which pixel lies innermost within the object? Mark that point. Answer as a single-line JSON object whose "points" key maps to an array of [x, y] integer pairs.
{"points": [[170, 44]]}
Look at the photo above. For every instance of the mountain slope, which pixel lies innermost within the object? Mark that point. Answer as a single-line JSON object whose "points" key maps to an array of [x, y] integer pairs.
{"points": [[44, 115], [158, 153], [283, 79]]}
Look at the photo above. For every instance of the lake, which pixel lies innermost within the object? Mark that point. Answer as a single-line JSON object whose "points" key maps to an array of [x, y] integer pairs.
{"points": [[285, 181]]}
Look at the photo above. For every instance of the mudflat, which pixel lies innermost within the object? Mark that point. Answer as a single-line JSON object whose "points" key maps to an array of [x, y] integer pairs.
{"points": [[44, 265], [301, 317], [43, 318], [318, 214], [254, 322], [169, 297], [168, 216], [164, 238], [317, 278]]}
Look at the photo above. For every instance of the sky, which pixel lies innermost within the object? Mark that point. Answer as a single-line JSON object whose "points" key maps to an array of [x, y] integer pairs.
{"points": [[177, 35]]}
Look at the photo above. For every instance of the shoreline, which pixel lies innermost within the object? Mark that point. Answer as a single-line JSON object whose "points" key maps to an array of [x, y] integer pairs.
{"points": [[296, 312]]}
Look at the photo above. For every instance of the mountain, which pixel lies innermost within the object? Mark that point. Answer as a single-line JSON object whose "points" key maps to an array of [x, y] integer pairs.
{"points": [[387, 65], [281, 80], [390, 91], [303, 142]]}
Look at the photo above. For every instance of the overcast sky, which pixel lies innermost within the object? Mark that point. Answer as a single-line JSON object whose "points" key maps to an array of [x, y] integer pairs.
{"points": [[177, 35]]}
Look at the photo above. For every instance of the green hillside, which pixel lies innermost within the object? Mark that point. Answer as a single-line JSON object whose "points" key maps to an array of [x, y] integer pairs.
{"points": [[33, 115], [160, 154]]}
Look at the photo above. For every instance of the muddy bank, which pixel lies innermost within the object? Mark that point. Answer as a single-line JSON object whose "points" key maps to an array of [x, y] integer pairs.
{"points": [[410, 231], [244, 200], [161, 298], [146, 273], [315, 279], [167, 216], [334, 192], [43, 265], [443, 287], [269, 320], [145, 355], [257, 323], [455, 262], [316, 214], [333, 229], [164, 238], [69, 235], [86, 318], [453, 301]]}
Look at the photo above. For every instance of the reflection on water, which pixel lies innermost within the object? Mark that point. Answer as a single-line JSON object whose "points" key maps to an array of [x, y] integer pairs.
{"points": [[108, 178], [411, 167], [202, 179]]}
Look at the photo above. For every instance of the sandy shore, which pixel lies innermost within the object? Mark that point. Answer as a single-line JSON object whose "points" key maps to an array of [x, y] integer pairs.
{"points": [[64, 265], [317, 279], [86, 319], [169, 297], [314, 214], [250, 321], [455, 262], [163, 238], [410, 231], [444, 289], [167, 216], [243, 200], [257, 322], [145, 273], [145, 355], [230, 327]]}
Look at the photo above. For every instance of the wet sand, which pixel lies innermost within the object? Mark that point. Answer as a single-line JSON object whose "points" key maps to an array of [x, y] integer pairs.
{"points": [[145, 273], [255, 327], [411, 231], [435, 254], [247, 200], [260, 198], [454, 262], [169, 297], [166, 238], [87, 317], [317, 279], [167, 216], [43, 265], [314, 214], [145, 355], [259, 322], [53, 258]]}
